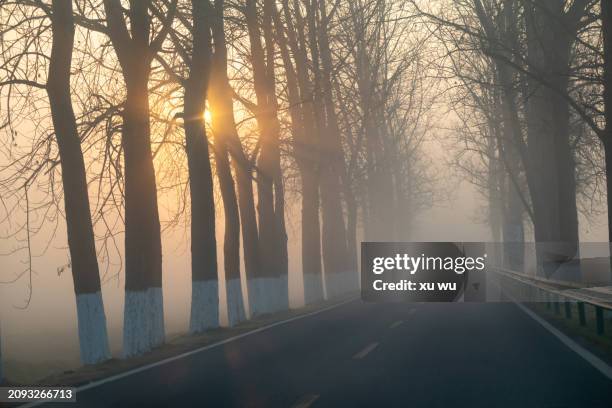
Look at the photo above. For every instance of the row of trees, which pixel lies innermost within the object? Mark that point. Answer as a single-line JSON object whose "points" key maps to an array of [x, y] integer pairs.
{"points": [[130, 102], [532, 86]]}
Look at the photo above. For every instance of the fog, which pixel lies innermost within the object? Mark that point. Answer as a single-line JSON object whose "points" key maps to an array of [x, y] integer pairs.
{"points": [[410, 120], [42, 338]]}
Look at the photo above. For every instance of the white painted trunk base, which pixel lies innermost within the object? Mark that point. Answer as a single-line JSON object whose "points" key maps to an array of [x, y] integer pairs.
{"points": [[235, 302], [135, 324], [143, 324], [156, 302], [341, 283], [256, 296], [204, 306], [93, 337], [283, 291], [268, 295], [313, 288]]}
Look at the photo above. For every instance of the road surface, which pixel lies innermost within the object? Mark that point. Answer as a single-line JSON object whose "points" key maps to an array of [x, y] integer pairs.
{"points": [[375, 355]]}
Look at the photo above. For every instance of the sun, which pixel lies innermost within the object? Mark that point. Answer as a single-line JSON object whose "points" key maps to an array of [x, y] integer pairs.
{"points": [[207, 116]]}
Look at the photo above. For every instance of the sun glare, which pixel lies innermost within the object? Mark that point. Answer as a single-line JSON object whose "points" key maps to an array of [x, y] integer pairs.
{"points": [[207, 116]]}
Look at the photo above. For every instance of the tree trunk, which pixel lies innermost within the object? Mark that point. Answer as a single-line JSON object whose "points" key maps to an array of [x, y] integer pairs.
{"points": [[511, 145], [513, 229], [93, 338], [495, 179], [311, 237], [143, 325], [606, 135], [272, 283], [512, 207], [143, 321], [332, 163], [281, 258], [351, 231], [224, 129], [380, 226], [205, 290], [304, 148], [551, 159], [547, 156], [231, 243], [205, 284]]}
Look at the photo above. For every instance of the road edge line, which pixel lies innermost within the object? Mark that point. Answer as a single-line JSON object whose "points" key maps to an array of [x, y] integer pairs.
{"points": [[590, 358], [128, 373]]}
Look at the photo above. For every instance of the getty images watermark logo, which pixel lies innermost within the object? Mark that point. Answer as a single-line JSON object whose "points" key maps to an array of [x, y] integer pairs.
{"points": [[423, 271]]}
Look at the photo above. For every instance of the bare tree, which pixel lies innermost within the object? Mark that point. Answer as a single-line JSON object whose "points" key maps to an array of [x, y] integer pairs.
{"points": [[205, 291], [551, 32], [331, 160], [144, 318], [90, 307], [305, 140], [93, 339], [227, 143], [231, 245], [505, 114], [271, 287], [381, 102]]}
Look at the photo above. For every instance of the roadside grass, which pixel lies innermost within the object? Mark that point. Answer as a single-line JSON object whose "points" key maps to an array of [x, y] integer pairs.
{"points": [[586, 336]]}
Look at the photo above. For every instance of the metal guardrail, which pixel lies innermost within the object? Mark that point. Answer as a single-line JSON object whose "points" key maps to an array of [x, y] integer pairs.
{"points": [[555, 293]]}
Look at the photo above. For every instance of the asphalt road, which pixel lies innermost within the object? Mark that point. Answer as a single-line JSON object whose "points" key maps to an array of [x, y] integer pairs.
{"points": [[375, 355]]}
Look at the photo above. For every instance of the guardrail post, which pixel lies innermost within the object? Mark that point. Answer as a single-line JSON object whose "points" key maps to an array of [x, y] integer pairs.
{"points": [[599, 316], [548, 305], [568, 309], [581, 314], [557, 306]]}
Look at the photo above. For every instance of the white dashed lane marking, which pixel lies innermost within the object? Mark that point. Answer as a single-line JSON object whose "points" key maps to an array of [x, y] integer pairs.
{"points": [[305, 401], [396, 324], [365, 351]]}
